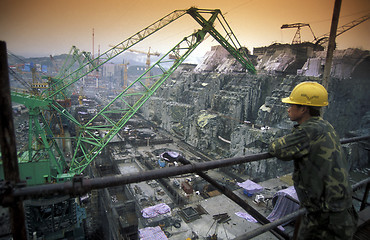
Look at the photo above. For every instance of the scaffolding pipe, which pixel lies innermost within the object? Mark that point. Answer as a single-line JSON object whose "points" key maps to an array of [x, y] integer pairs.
{"points": [[364, 199], [360, 184], [300, 212], [272, 225], [242, 203], [79, 185], [331, 46], [8, 146]]}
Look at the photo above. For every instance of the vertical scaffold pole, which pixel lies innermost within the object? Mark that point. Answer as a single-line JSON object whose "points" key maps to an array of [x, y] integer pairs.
{"points": [[331, 46], [8, 146]]}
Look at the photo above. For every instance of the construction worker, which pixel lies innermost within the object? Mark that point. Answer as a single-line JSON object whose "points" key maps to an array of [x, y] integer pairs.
{"points": [[320, 169]]}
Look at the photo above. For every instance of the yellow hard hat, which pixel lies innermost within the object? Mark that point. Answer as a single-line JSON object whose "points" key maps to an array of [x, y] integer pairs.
{"points": [[309, 94]]}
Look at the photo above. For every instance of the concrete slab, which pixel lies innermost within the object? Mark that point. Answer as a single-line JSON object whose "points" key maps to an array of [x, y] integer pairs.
{"points": [[147, 194], [206, 226]]}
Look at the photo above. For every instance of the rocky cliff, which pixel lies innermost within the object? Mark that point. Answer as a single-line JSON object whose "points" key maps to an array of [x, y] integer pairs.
{"points": [[227, 113]]}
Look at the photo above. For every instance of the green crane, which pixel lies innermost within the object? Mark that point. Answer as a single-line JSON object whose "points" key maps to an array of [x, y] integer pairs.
{"points": [[87, 143], [43, 157], [46, 162]]}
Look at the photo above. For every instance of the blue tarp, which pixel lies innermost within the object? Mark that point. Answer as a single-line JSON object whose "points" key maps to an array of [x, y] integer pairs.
{"points": [[27, 67]]}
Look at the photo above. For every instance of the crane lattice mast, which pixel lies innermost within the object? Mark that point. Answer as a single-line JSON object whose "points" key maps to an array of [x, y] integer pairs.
{"points": [[87, 143]]}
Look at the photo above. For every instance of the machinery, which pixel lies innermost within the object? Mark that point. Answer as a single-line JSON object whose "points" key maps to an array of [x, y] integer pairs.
{"points": [[147, 62], [60, 217], [51, 218], [124, 83], [297, 35], [321, 40], [148, 54]]}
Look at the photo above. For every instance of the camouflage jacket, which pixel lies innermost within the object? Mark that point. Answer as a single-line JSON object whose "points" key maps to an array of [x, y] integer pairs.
{"points": [[320, 170]]}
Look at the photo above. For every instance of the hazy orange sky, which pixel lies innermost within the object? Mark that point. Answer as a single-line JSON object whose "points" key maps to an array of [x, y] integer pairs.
{"points": [[44, 27]]}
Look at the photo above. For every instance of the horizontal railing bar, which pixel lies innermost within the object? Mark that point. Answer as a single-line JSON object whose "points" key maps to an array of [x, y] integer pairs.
{"points": [[360, 184], [79, 185], [289, 217], [354, 139], [238, 200], [272, 225]]}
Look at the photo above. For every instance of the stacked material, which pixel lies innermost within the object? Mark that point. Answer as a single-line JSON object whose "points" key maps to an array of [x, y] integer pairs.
{"points": [[152, 233], [153, 211]]}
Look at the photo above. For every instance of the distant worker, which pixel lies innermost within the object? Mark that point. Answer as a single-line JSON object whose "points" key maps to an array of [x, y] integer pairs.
{"points": [[320, 169]]}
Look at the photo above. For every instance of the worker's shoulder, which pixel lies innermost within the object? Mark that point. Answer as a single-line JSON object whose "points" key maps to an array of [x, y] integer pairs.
{"points": [[316, 124], [316, 127]]}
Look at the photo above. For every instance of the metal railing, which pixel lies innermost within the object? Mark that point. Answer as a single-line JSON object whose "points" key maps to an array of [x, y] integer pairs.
{"points": [[13, 192], [80, 185], [300, 212]]}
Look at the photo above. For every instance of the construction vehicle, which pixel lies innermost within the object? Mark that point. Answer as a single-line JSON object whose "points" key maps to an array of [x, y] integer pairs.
{"points": [[54, 218]]}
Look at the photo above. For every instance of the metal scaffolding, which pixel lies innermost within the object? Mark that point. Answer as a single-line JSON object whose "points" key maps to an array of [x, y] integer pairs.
{"points": [[80, 185], [12, 192]]}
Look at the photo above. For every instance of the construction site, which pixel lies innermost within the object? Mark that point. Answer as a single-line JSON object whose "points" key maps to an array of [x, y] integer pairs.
{"points": [[166, 149]]}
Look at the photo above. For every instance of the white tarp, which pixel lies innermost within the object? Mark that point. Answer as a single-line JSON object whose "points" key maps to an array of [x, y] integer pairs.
{"points": [[170, 156], [155, 210], [246, 216], [152, 233], [251, 186]]}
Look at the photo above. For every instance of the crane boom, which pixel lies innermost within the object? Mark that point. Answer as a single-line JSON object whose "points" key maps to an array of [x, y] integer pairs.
{"points": [[229, 42], [139, 90], [148, 54], [294, 25], [115, 51], [342, 29], [88, 144], [80, 163], [45, 160], [297, 35]]}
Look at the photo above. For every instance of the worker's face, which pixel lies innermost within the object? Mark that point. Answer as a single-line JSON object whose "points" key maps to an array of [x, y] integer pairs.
{"points": [[295, 112]]}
